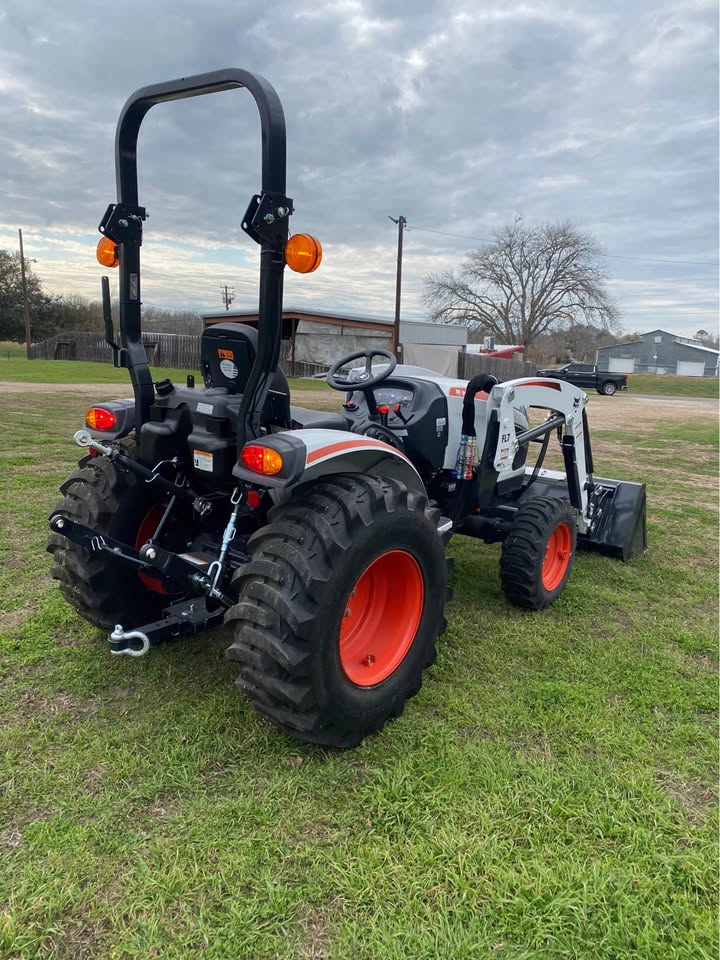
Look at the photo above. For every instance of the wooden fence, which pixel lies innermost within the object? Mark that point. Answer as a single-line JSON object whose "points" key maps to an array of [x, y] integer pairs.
{"points": [[470, 364], [178, 350], [182, 351], [163, 349]]}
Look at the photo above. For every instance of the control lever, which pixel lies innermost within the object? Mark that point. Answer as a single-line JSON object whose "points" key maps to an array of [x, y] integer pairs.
{"points": [[397, 410], [383, 409]]}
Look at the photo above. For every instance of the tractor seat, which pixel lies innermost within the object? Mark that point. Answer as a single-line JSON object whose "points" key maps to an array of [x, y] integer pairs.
{"points": [[302, 418]]}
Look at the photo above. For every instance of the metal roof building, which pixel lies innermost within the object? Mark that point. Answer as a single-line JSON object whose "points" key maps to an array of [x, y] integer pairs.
{"points": [[659, 352]]}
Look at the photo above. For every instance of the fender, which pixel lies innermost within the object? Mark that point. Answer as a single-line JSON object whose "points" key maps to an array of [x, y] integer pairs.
{"points": [[310, 454]]}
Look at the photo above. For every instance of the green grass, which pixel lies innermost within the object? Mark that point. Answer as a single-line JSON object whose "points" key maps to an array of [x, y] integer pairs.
{"points": [[671, 386], [549, 794], [11, 351], [15, 367]]}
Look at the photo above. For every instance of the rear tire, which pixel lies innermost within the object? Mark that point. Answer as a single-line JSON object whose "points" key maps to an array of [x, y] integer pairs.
{"points": [[609, 389], [538, 552], [296, 649], [109, 500]]}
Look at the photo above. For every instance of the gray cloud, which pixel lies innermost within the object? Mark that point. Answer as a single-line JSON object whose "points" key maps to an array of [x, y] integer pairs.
{"points": [[459, 115]]}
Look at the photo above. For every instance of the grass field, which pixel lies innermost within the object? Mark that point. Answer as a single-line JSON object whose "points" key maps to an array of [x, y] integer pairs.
{"points": [[550, 793], [650, 383], [14, 367], [74, 371]]}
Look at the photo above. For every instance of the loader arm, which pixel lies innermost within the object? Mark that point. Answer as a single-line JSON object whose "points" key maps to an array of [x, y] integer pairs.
{"points": [[564, 400]]}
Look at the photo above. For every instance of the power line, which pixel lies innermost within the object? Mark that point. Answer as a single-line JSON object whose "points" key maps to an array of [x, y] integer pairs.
{"points": [[613, 256], [692, 263], [460, 236]]}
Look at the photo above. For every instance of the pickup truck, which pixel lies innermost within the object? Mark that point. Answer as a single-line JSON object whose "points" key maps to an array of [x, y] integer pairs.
{"points": [[587, 376]]}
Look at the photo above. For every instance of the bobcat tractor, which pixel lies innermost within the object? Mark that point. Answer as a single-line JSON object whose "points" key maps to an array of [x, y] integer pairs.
{"points": [[318, 538]]}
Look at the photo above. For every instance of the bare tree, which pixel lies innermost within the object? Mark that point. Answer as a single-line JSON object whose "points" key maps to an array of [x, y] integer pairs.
{"points": [[579, 341], [528, 281], [708, 339]]}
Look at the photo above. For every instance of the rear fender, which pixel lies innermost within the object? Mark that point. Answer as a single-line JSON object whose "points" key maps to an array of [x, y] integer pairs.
{"points": [[310, 454]]}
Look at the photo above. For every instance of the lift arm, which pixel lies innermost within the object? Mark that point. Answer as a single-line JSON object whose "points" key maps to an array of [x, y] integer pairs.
{"points": [[568, 404]]}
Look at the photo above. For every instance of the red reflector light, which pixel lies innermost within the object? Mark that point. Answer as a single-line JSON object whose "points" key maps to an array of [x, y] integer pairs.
{"points": [[261, 459], [98, 418], [253, 499]]}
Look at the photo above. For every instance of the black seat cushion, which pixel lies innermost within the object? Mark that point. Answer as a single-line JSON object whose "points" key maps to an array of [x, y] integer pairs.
{"points": [[301, 417]]}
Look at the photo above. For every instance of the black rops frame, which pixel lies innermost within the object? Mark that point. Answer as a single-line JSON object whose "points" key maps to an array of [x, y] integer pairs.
{"points": [[266, 221]]}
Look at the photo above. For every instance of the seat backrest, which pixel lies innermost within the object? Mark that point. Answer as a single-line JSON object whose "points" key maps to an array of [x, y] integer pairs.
{"points": [[227, 354]]}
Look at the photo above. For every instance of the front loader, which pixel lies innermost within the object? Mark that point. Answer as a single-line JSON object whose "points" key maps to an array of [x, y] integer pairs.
{"points": [[318, 538]]}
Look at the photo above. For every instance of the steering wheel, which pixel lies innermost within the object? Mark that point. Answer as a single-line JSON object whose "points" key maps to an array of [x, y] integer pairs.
{"points": [[365, 380]]}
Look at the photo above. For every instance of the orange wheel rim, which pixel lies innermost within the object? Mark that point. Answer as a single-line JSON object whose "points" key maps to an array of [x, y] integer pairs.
{"points": [[381, 617], [557, 556]]}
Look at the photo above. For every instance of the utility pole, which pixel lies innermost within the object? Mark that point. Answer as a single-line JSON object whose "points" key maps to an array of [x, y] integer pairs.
{"points": [[401, 224], [26, 305], [227, 294]]}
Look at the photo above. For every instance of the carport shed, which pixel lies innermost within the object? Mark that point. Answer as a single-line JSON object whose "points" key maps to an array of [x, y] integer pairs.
{"points": [[319, 337]]}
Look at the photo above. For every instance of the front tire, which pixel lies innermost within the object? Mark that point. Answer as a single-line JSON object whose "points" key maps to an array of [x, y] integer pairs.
{"points": [[339, 608], [538, 552]]}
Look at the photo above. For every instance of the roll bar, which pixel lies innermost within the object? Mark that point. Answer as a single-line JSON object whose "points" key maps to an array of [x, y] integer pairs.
{"points": [[266, 221]]}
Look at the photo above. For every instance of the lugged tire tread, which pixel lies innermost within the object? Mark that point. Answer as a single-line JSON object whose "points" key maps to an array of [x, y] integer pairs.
{"points": [[523, 549], [278, 596]]}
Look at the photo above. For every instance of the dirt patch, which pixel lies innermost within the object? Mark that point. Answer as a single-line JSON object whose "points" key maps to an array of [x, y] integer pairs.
{"points": [[639, 414], [316, 937], [77, 941], [694, 798], [12, 619], [11, 835], [32, 703], [104, 389], [696, 661]]}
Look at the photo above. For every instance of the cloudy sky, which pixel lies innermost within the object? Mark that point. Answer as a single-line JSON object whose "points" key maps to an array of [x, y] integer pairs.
{"points": [[459, 114]]}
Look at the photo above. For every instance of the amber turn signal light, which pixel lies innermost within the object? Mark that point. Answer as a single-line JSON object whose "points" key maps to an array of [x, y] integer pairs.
{"points": [[261, 459], [303, 253], [107, 252]]}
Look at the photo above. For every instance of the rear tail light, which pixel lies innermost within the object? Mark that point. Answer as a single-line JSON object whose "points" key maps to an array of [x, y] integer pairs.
{"points": [[261, 459], [98, 418]]}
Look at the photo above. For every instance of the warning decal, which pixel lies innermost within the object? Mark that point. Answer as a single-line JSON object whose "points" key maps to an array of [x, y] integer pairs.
{"points": [[203, 461]]}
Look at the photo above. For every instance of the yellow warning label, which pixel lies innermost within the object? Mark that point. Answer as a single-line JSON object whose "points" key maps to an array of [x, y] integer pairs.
{"points": [[226, 354]]}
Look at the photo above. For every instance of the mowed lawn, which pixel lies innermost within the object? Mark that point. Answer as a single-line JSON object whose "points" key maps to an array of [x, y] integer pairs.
{"points": [[550, 793]]}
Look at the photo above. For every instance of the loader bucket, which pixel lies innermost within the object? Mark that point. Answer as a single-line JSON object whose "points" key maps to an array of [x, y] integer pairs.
{"points": [[619, 509]]}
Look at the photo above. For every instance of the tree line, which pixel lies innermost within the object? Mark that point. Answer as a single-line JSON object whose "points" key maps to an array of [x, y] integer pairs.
{"points": [[55, 313]]}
